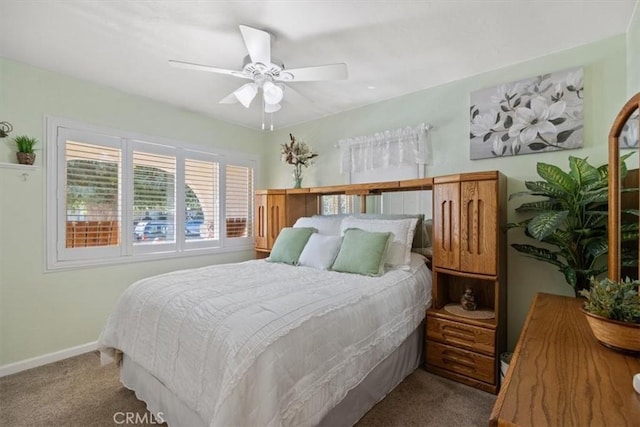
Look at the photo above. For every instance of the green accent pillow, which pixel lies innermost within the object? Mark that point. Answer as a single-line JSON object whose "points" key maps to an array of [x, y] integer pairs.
{"points": [[362, 252], [289, 244]]}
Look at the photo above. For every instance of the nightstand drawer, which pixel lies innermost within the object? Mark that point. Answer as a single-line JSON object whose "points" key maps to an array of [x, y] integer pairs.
{"points": [[464, 362], [461, 335]]}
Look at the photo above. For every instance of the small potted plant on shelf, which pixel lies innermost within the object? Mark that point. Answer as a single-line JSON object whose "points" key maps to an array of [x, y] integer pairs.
{"points": [[613, 312], [25, 154]]}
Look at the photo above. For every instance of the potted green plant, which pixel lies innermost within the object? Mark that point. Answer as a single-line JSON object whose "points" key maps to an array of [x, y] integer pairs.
{"points": [[613, 312], [25, 154], [571, 221]]}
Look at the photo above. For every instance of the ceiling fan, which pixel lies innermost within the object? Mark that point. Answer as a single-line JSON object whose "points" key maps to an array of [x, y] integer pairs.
{"points": [[267, 74]]}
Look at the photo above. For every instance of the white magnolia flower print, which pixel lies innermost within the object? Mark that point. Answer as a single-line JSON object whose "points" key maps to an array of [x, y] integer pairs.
{"points": [[529, 122], [505, 93], [498, 146], [541, 85], [575, 83], [515, 146], [538, 114], [558, 93], [575, 115], [482, 124]]}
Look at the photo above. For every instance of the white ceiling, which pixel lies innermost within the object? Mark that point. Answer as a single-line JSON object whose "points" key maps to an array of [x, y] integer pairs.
{"points": [[398, 47]]}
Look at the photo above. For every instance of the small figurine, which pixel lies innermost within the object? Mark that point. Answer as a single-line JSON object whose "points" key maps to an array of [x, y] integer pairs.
{"points": [[468, 300]]}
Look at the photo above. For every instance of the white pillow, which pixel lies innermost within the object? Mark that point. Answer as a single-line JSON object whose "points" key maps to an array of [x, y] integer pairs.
{"points": [[320, 251], [328, 225], [399, 251]]}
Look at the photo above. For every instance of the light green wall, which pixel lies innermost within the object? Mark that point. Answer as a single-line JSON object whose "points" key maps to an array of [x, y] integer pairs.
{"points": [[46, 312], [447, 109], [42, 312], [633, 53]]}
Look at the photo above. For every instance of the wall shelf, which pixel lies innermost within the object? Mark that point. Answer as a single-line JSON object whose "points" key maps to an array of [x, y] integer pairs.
{"points": [[4, 165]]}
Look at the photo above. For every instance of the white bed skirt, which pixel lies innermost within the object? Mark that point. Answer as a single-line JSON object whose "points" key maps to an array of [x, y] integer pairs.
{"points": [[376, 385]]}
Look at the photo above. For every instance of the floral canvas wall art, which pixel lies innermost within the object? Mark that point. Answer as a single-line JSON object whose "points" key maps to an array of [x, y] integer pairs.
{"points": [[534, 115]]}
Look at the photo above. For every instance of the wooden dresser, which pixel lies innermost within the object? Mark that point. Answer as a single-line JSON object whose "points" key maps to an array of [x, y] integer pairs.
{"points": [[561, 376]]}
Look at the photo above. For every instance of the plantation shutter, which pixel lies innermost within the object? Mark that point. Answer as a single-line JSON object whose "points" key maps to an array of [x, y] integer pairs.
{"points": [[154, 195], [92, 202], [202, 209], [239, 201]]}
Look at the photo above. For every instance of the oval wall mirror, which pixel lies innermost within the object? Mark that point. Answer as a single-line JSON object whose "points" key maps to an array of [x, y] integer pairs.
{"points": [[624, 205]]}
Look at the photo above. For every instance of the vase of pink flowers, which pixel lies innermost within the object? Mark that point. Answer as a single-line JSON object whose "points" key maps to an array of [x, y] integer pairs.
{"points": [[298, 154]]}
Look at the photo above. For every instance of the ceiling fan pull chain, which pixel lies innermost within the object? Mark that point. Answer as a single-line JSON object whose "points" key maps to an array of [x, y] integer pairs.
{"points": [[272, 122]]}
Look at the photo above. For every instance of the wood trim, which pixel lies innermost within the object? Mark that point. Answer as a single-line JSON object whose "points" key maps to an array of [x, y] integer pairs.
{"points": [[384, 186], [614, 185], [356, 189], [416, 184], [467, 176], [271, 191], [296, 191]]}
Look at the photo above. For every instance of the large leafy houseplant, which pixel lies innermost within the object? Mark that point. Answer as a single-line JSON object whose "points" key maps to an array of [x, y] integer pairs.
{"points": [[573, 219]]}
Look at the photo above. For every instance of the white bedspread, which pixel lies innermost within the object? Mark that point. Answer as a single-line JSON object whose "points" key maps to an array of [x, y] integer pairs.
{"points": [[258, 343]]}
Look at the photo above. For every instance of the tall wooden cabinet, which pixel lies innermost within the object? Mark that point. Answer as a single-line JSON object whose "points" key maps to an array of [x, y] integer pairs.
{"points": [[469, 251]]}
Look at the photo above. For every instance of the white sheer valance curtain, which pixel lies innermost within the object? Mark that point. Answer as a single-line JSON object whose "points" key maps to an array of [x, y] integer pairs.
{"points": [[394, 148]]}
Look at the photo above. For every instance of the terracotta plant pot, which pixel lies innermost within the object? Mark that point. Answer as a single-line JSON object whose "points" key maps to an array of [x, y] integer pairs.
{"points": [[26, 158], [619, 336]]}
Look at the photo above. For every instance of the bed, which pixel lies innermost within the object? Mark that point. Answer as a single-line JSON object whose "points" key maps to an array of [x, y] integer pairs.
{"points": [[268, 343]]}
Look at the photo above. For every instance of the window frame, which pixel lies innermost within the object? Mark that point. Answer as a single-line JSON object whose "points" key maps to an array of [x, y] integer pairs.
{"points": [[58, 256]]}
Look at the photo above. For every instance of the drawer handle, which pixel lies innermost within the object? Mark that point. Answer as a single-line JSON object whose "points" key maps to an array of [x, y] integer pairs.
{"points": [[452, 358], [462, 334]]}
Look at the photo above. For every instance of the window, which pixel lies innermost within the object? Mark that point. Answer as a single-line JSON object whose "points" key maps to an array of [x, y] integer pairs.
{"points": [[115, 197]]}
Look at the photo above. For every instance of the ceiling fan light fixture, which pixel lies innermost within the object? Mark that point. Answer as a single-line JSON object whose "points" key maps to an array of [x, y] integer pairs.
{"points": [[246, 93], [272, 108], [273, 93]]}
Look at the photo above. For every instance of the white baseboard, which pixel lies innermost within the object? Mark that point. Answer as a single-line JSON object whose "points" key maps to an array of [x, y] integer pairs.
{"points": [[34, 362]]}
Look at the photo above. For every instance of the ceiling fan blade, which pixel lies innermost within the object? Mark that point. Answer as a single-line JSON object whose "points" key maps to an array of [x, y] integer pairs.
{"points": [[258, 44], [309, 74], [199, 67]]}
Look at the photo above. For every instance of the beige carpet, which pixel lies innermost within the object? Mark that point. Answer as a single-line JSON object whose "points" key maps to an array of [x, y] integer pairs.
{"points": [[79, 392]]}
